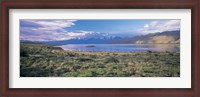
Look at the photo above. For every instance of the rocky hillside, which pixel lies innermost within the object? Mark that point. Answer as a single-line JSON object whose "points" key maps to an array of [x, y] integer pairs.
{"points": [[160, 37]]}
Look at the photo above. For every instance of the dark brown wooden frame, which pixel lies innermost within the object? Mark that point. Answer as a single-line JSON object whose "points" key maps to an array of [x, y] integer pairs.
{"points": [[99, 4]]}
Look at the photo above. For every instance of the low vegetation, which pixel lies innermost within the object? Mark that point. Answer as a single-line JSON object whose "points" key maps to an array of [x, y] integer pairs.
{"points": [[40, 60]]}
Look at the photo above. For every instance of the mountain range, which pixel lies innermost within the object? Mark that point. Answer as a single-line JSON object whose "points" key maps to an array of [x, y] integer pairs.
{"points": [[88, 38], [159, 37], [97, 38]]}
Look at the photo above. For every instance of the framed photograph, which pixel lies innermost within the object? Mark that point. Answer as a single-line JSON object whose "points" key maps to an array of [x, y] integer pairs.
{"points": [[119, 48]]}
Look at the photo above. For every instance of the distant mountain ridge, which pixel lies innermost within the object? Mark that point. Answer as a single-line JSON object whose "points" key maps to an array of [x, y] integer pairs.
{"points": [[84, 41], [90, 40], [152, 38]]}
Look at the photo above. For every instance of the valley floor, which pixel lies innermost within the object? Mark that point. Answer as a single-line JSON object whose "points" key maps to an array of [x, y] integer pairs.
{"points": [[40, 60]]}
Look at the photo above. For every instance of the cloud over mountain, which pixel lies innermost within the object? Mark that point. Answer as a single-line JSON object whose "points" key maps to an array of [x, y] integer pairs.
{"points": [[52, 30], [46, 30], [160, 26]]}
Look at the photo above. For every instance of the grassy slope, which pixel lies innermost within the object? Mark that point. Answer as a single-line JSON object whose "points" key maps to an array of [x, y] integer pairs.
{"points": [[170, 37], [47, 61]]}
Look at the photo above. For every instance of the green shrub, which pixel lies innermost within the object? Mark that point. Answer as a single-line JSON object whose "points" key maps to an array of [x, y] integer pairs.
{"points": [[111, 60], [38, 60]]}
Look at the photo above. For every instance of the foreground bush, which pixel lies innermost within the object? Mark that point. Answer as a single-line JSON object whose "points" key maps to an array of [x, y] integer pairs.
{"points": [[39, 60]]}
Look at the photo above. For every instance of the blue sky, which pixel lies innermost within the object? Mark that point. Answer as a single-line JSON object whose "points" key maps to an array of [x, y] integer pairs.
{"points": [[55, 30]]}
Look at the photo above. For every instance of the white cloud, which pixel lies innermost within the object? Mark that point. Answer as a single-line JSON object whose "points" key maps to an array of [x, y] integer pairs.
{"points": [[51, 24], [160, 26], [54, 36], [49, 30], [78, 33]]}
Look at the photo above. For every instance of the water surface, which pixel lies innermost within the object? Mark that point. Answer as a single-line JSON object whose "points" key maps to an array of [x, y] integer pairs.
{"points": [[122, 47]]}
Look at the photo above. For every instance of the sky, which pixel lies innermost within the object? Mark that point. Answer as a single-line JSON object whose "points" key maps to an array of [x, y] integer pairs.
{"points": [[60, 29]]}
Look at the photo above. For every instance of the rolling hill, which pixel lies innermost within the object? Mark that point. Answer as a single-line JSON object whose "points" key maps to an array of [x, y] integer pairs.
{"points": [[160, 37]]}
